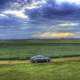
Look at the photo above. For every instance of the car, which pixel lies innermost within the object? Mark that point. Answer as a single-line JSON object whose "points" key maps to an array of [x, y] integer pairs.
{"points": [[40, 59]]}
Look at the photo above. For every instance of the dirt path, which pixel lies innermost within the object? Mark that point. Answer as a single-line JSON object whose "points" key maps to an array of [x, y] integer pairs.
{"points": [[14, 61], [56, 60]]}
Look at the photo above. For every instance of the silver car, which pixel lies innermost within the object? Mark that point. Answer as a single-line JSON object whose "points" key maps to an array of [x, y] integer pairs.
{"points": [[40, 59]]}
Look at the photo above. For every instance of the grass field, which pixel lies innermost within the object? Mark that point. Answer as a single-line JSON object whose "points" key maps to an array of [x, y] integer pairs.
{"points": [[48, 71], [26, 48], [58, 69]]}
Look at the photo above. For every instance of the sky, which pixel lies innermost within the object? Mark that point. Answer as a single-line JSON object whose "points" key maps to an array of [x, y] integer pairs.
{"points": [[39, 19]]}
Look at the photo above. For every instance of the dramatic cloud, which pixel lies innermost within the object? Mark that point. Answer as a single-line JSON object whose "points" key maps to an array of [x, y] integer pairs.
{"points": [[44, 9], [51, 9], [21, 19]]}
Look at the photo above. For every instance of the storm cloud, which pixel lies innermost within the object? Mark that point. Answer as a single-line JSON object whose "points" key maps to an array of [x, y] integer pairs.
{"points": [[53, 10]]}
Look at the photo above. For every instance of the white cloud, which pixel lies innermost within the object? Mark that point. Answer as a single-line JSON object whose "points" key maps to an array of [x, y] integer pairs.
{"points": [[20, 14], [70, 1], [66, 24], [34, 4], [3, 16]]}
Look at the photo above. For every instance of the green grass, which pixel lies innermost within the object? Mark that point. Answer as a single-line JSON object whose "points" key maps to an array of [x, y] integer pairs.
{"points": [[27, 48], [51, 71], [48, 71], [23, 52]]}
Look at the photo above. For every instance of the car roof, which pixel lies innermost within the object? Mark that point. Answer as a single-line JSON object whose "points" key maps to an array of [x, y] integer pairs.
{"points": [[39, 56]]}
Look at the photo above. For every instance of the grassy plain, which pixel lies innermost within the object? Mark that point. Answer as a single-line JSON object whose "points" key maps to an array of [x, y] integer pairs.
{"points": [[59, 69], [24, 49], [48, 71]]}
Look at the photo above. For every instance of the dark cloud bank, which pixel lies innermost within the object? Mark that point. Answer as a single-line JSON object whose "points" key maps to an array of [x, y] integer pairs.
{"points": [[50, 9]]}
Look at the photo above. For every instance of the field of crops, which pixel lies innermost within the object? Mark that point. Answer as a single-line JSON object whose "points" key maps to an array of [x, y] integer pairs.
{"points": [[26, 48], [51, 71]]}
